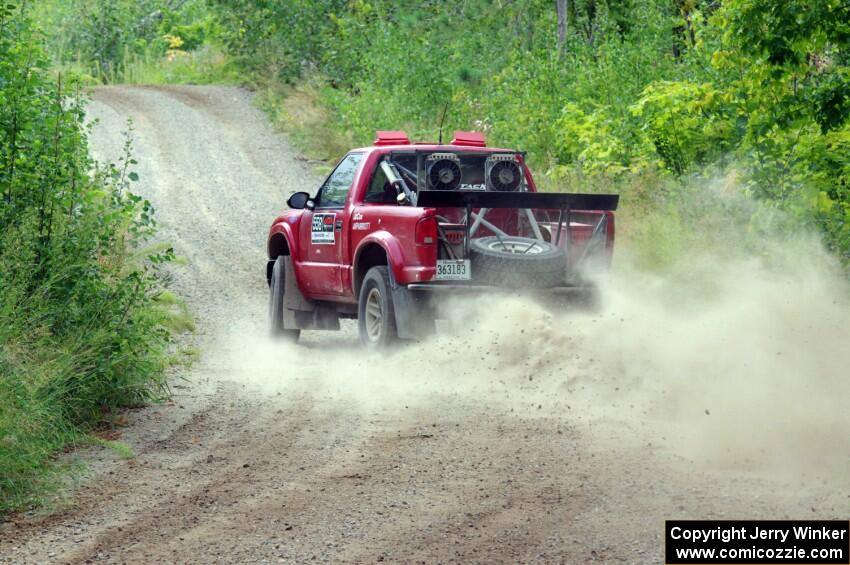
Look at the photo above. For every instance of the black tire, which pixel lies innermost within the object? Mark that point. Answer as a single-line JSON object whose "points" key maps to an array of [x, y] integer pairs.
{"points": [[375, 312], [500, 261], [277, 287]]}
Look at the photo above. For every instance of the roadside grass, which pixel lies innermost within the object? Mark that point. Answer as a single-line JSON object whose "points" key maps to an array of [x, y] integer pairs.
{"points": [[206, 65], [119, 448], [86, 326], [57, 390], [298, 111], [38, 419], [175, 313], [203, 66], [51, 392], [185, 357], [32, 430], [151, 42]]}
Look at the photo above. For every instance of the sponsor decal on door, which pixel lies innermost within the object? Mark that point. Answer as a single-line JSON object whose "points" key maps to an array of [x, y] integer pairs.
{"points": [[322, 230]]}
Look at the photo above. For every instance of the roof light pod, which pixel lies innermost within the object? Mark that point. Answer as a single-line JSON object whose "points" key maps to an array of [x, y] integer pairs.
{"points": [[469, 139], [391, 138]]}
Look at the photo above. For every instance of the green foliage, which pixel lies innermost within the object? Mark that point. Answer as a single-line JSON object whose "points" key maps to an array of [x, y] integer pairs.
{"points": [[784, 35], [119, 448], [252, 31], [756, 88], [134, 41], [80, 333], [689, 124], [205, 65]]}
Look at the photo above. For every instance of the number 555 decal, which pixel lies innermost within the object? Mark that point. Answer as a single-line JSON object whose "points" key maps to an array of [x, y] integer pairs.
{"points": [[322, 230]]}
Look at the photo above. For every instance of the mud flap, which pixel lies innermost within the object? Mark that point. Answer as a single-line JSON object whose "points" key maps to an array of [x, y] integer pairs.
{"points": [[301, 313], [413, 318], [320, 318], [292, 297]]}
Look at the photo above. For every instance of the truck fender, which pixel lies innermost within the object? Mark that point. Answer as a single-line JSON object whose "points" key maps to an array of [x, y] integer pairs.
{"points": [[392, 249], [282, 241], [284, 229], [409, 308]]}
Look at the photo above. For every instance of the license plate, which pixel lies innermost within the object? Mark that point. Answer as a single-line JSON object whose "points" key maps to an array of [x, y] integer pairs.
{"points": [[453, 270]]}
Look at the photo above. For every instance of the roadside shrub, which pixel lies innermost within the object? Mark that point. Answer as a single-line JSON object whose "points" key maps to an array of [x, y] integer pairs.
{"points": [[80, 335], [753, 88], [108, 41]]}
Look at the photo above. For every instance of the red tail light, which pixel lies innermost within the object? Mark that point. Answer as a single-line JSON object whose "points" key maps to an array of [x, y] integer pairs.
{"points": [[426, 231]]}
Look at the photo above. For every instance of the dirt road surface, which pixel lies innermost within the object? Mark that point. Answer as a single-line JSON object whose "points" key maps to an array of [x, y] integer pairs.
{"points": [[483, 447]]}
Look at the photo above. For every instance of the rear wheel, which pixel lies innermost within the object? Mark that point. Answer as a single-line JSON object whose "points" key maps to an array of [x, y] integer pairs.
{"points": [[277, 287], [376, 315]]}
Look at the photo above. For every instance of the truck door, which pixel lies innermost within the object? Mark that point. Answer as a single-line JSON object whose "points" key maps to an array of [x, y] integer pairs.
{"points": [[324, 231]]}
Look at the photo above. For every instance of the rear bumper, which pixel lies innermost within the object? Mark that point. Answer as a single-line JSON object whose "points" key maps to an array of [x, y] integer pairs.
{"points": [[451, 287], [585, 294]]}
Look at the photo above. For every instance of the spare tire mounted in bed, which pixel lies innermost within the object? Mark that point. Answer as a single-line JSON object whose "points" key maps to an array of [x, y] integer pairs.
{"points": [[517, 262]]}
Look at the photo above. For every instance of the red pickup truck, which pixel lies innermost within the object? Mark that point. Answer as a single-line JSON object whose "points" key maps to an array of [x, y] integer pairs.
{"points": [[398, 224]]}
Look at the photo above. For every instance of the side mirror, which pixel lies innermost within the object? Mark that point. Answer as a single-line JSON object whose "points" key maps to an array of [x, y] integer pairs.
{"points": [[299, 201]]}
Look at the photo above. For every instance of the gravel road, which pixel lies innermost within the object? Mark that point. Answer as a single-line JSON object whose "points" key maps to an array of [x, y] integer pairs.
{"points": [[480, 447]]}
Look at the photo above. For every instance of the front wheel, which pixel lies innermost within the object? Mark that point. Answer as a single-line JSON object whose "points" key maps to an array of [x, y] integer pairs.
{"points": [[277, 287], [376, 315]]}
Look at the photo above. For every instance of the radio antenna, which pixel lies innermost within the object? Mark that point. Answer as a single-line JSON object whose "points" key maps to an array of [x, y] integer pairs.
{"points": [[443, 119]]}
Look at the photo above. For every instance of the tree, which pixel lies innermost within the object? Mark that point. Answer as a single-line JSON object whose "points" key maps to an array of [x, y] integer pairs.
{"points": [[563, 23]]}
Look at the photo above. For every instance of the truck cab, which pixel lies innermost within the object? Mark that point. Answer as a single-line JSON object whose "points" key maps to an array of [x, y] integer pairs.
{"points": [[396, 225]]}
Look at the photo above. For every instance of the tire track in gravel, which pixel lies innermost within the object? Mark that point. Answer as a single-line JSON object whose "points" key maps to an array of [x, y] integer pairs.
{"points": [[219, 475], [262, 456]]}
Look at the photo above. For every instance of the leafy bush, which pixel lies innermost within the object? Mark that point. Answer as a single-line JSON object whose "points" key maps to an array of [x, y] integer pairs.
{"points": [[754, 88], [111, 40], [80, 334]]}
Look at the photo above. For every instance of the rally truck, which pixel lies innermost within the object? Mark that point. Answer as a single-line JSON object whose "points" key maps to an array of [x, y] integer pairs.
{"points": [[398, 226]]}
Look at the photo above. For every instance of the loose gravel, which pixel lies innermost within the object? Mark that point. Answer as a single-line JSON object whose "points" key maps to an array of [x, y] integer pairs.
{"points": [[297, 455]]}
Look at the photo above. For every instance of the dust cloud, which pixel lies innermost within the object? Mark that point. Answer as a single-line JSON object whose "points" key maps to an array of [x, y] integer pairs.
{"points": [[748, 371], [732, 361]]}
